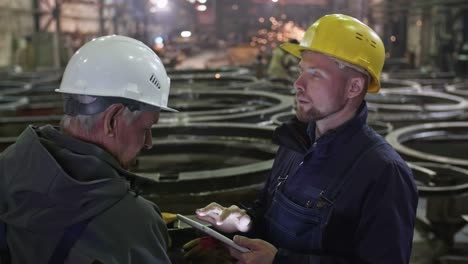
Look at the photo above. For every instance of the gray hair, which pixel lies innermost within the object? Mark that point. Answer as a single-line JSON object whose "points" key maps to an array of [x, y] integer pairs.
{"points": [[87, 122]]}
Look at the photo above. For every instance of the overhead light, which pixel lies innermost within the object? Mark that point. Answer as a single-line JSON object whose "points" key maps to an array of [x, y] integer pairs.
{"points": [[201, 8], [160, 3], [201, 1], [274, 1], [158, 40], [185, 34]]}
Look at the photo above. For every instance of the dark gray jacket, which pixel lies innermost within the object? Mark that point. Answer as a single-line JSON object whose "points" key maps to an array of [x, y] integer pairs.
{"points": [[49, 181]]}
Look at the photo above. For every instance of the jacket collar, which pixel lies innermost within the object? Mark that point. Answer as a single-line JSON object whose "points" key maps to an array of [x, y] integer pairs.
{"points": [[81, 147], [299, 136], [344, 131], [292, 135]]}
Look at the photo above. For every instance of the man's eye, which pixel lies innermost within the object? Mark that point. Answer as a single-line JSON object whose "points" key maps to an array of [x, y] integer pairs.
{"points": [[315, 74]]}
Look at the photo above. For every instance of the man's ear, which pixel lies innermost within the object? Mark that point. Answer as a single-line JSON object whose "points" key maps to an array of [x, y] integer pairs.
{"points": [[111, 118], [355, 86]]}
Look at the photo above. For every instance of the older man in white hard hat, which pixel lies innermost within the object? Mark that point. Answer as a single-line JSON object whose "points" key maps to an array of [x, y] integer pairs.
{"points": [[65, 195]]}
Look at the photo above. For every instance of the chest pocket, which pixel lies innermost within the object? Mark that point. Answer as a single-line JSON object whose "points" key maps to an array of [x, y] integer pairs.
{"points": [[300, 227], [294, 226]]}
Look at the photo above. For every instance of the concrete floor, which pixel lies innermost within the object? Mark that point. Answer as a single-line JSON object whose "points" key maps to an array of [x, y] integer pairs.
{"points": [[428, 250]]}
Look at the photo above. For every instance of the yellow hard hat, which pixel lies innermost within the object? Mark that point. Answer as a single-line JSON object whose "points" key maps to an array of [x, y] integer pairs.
{"points": [[345, 38]]}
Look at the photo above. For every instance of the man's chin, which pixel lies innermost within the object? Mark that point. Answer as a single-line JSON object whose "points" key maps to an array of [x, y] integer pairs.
{"points": [[130, 164], [302, 116], [308, 116]]}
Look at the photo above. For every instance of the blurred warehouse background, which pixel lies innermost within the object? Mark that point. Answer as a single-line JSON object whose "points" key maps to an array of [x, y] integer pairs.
{"points": [[218, 55]]}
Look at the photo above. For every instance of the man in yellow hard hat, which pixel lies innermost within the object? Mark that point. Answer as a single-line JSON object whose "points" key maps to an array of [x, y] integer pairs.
{"points": [[338, 192]]}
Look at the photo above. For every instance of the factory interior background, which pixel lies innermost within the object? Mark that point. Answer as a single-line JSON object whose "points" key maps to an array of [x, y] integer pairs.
{"points": [[217, 54]]}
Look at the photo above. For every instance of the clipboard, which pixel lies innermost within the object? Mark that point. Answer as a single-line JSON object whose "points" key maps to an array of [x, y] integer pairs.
{"points": [[212, 233]]}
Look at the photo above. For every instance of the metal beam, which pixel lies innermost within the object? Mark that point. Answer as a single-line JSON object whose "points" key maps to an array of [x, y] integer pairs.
{"points": [[101, 17], [58, 33], [36, 16]]}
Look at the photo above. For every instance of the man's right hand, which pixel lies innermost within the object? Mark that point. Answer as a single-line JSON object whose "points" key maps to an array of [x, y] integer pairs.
{"points": [[228, 220]]}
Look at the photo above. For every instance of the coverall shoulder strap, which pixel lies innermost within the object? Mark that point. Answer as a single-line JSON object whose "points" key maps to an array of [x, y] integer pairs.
{"points": [[361, 144]]}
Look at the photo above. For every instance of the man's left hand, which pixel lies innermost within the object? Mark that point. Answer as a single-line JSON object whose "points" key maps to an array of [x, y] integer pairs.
{"points": [[261, 252]]}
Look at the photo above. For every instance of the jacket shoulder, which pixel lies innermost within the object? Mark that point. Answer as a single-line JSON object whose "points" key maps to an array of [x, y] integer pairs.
{"points": [[131, 229]]}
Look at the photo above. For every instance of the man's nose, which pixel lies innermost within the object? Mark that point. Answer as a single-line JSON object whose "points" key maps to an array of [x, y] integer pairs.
{"points": [[299, 84]]}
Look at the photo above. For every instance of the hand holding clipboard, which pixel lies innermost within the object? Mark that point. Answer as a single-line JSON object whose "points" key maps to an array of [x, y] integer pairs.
{"points": [[212, 233]]}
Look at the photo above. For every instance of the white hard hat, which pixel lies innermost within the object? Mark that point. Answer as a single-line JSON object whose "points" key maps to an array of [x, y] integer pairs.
{"points": [[117, 67]]}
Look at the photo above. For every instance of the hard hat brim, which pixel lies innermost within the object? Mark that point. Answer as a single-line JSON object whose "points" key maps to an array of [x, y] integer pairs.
{"points": [[169, 109], [294, 49], [165, 108]]}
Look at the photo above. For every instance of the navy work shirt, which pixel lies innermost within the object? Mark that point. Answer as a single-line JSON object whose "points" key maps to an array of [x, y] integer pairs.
{"points": [[372, 218]]}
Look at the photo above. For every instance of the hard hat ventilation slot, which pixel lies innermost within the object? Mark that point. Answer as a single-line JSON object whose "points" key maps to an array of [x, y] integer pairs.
{"points": [[359, 36], [155, 81], [373, 44]]}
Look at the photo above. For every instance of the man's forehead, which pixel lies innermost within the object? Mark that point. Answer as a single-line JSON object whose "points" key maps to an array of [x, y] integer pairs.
{"points": [[315, 60], [315, 56]]}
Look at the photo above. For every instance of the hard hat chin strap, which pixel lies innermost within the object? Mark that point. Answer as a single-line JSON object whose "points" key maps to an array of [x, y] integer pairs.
{"points": [[73, 107]]}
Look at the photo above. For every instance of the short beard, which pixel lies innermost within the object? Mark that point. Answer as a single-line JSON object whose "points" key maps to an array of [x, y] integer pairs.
{"points": [[315, 115]]}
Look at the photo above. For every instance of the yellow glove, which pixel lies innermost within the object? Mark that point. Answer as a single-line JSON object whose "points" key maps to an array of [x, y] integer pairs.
{"points": [[168, 217], [207, 250]]}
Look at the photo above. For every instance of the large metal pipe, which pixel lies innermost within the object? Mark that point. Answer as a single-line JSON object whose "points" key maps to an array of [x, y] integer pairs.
{"points": [[272, 86], [11, 87], [212, 82], [10, 104], [433, 80], [406, 107], [399, 85], [460, 89], [437, 179], [225, 106], [209, 73], [444, 142], [45, 75], [193, 164]]}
